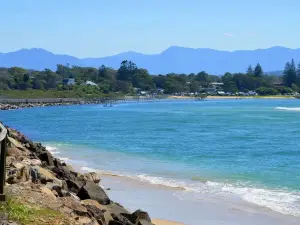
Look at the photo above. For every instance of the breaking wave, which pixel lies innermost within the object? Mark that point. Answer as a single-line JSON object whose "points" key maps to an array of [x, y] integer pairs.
{"points": [[288, 108], [280, 200]]}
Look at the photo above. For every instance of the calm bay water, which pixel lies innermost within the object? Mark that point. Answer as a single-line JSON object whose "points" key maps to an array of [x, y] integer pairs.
{"points": [[249, 149]]}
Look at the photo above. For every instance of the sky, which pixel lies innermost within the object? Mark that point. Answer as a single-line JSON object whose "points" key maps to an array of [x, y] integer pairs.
{"points": [[97, 28]]}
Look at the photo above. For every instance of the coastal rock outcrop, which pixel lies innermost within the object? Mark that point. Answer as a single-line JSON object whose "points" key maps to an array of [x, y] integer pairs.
{"points": [[93, 191], [35, 177]]}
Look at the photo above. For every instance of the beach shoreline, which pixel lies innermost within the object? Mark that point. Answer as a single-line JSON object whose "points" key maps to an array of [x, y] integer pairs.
{"points": [[11, 104], [45, 176], [233, 97], [172, 204]]}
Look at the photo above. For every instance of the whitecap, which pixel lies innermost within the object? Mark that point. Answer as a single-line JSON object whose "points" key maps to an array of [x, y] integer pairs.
{"points": [[288, 108], [88, 169]]}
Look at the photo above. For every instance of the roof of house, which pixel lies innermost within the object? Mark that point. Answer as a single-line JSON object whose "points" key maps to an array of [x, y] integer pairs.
{"points": [[91, 83]]}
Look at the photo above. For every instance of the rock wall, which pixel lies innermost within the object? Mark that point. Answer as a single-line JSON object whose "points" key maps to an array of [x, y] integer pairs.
{"points": [[36, 177]]}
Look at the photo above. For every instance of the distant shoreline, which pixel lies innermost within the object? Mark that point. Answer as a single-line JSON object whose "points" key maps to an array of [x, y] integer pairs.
{"points": [[12, 104], [234, 97]]}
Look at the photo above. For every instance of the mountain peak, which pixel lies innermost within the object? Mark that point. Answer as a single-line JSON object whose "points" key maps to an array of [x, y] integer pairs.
{"points": [[174, 59]]}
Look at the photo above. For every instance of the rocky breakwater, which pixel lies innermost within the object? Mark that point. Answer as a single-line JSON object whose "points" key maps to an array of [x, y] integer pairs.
{"points": [[35, 177], [11, 106]]}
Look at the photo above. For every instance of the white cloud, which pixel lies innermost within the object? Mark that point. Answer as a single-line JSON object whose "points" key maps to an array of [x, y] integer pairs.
{"points": [[227, 34]]}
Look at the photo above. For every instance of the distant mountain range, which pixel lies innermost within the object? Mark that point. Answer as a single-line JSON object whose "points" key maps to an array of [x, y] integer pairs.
{"points": [[174, 59]]}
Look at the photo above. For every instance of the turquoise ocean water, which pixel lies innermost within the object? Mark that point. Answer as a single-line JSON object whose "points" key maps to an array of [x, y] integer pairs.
{"points": [[249, 149]]}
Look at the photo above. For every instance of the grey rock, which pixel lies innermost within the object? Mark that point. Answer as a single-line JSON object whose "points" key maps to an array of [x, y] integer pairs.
{"points": [[93, 191], [47, 157], [141, 215], [76, 184], [122, 219]]}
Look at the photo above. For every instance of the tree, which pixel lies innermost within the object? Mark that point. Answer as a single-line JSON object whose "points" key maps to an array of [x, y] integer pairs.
{"points": [[103, 72], [203, 78], [227, 77], [64, 71], [230, 86], [173, 84], [51, 79], [159, 81], [250, 71], [258, 72], [194, 86], [141, 79], [295, 87], [289, 74], [298, 74], [126, 71], [266, 91], [124, 87]]}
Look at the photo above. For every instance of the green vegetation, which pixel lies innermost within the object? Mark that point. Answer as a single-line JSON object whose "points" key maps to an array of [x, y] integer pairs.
{"points": [[39, 94], [26, 214], [17, 82]]}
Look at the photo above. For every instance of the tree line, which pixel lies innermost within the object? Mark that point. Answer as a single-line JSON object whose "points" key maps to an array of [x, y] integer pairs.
{"points": [[129, 78]]}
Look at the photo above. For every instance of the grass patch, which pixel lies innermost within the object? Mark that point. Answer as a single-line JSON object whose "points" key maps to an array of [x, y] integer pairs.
{"points": [[26, 214]]}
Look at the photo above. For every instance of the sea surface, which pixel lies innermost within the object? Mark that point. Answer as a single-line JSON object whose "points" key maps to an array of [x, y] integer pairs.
{"points": [[246, 149]]}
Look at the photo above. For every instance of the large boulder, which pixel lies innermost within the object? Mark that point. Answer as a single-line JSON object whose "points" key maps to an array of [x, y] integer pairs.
{"points": [[76, 184], [10, 160], [32, 162], [13, 151], [57, 188], [47, 157], [138, 217], [75, 205], [42, 175], [114, 208], [121, 219], [91, 202], [141, 215], [63, 172], [93, 191], [96, 213], [20, 173], [48, 192], [93, 177], [15, 144]]}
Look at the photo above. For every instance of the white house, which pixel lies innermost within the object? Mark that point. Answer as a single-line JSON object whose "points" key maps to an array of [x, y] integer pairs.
{"points": [[69, 81], [90, 83]]}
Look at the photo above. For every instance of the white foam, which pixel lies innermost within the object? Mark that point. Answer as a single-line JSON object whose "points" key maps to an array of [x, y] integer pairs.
{"points": [[52, 150], [288, 108], [282, 201], [84, 168], [162, 181]]}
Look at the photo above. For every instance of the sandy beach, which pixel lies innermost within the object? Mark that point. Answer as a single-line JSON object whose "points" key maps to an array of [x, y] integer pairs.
{"points": [[234, 97], [164, 222]]}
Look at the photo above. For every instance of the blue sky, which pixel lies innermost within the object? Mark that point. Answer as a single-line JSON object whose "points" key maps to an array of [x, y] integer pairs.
{"points": [[94, 28]]}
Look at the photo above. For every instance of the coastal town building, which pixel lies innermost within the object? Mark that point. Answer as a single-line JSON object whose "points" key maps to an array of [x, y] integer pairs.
{"points": [[89, 83], [69, 81]]}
